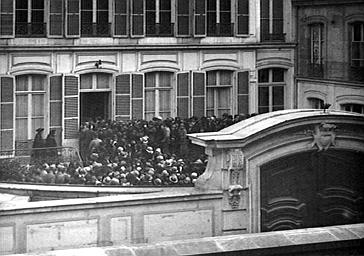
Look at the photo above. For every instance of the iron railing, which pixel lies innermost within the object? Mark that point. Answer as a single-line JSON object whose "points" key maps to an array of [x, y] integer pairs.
{"points": [[330, 70], [50, 155], [33, 29]]}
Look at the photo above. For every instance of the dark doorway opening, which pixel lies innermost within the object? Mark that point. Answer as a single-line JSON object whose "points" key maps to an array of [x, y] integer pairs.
{"points": [[312, 189], [94, 105]]}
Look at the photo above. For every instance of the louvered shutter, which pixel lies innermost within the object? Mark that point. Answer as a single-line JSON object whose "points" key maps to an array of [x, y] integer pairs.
{"points": [[183, 18], [7, 18], [198, 94], [242, 17], [70, 107], [137, 95], [183, 94], [55, 106], [200, 18], [121, 18], [137, 18], [6, 113], [73, 18], [56, 18], [122, 97], [243, 92]]}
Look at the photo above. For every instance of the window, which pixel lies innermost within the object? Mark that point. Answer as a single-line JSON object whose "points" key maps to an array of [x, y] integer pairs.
{"points": [[357, 108], [183, 18], [95, 81], [158, 17], [271, 19], [218, 89], [242, 18], [95, 18], [271, 84], [219, 18], [6, 18], [121, 17], [213, 15], [29, 23], [158, 86], [316, 49], [30, 111], [357, 44], [315, 103]]}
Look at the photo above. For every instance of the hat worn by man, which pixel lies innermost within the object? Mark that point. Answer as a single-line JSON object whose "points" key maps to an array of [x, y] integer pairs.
{"points": [[39, 130]]}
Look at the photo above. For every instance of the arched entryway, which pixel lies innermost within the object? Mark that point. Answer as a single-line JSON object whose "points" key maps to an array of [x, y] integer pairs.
{"points": [[312, 189]]}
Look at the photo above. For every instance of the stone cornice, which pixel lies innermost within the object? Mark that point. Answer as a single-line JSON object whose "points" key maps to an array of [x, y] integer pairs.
{"points": [[161, 47], [325, 2]]}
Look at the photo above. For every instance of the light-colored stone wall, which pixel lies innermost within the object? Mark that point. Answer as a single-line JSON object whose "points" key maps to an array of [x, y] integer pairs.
{"points": [[114, 220]]}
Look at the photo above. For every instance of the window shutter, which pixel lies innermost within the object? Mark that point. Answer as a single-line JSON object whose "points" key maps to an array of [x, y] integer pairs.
{"points": [[56, 18], [183, 18], [243, 92], [122, 97], [73, 18], [70, 107], [7, 18], [121, 18], [200, 18], [137, 96], [242, 18], [6, 113], [137, 18], [198, 94], [55, 105], [183, 94]]}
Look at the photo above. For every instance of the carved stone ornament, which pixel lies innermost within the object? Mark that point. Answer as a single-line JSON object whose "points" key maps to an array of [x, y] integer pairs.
{"points": [[324, 136], [235, 159], [234, 195]]}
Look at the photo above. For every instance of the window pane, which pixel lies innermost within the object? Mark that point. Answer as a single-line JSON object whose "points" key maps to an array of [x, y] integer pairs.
{"points": [[264, 7], [263, 76], [21, 106], [225, 77], [211, 5], [150, 5], [86, 81], [86, 4], [210, 98], [211, 77], [225, 5], [38, 105], [102, 17], [278, 9], [22, 83], [243, 6], [21, 4], [165, 100], [164, 79], [278, 96], [183, 7], [37, 4], [263, 96], [21, 16], [21, 129], [120, 6], [165, 4], [278, 75], [103, 81], [357, 31], [37, 123], [150, 101], [150, 79], [183, 25], [223, 95], [102, 4], [38, 83]]}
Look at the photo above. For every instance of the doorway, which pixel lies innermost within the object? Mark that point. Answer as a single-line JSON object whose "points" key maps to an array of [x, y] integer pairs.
{"points": [[94, 105], [312, 189]]}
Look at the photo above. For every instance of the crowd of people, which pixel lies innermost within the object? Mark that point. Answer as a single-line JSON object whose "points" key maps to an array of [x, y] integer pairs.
{"points": [[131, 152]]}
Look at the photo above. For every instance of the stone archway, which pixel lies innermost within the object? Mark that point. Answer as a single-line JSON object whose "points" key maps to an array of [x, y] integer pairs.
{"points": [[301, 144], [312, 189]]}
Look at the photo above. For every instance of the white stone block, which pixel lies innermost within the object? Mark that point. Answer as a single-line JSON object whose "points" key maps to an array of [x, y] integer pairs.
{"points": [[120, 230]]}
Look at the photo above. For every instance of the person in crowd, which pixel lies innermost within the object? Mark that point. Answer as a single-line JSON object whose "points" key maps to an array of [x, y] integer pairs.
{"points": [[51, 144], [38, 144]]}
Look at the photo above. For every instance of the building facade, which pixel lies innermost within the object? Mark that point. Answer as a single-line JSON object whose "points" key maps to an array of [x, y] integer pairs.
{"points": [[330, 54], [67, 61]]}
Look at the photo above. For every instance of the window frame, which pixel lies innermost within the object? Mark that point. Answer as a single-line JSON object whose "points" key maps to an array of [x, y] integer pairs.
{"points": [[352, 41], [29, 22], [157, 90], [94, 87], [114, 14], [271, 85], [29, 94], [344, 107], [215, 89], [271, 35], [94, 23], [12, 13]]}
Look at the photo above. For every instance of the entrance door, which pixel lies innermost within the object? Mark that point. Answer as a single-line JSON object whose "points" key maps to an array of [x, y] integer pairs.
{"points": [[312, 190], [95, 105]]}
